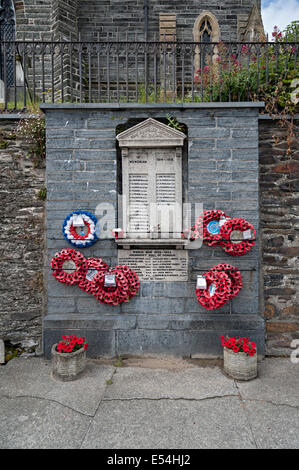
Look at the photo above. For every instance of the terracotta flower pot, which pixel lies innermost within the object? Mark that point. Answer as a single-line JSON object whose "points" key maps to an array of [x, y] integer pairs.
{"points": [[239, 365], [68, 366]]}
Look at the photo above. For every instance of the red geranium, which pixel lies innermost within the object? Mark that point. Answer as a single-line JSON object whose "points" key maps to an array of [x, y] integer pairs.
{"points": [[238, 344], [71, 344]]}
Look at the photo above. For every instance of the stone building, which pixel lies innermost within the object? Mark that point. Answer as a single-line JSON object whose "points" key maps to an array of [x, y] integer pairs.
{"points": [[114, 20], [93, 19]]}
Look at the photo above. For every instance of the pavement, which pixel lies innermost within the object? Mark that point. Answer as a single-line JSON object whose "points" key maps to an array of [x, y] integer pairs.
{"points": [[149, 403]]}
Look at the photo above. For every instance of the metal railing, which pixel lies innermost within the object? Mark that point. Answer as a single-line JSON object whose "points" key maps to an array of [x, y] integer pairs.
{"points": [[33, 72]]}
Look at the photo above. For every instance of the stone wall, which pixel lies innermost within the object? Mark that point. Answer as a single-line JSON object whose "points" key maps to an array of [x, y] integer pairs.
{"points": [[110, 16], [21, 240], [39, 17], [279, 183], [222, 173], [34, 19], [21, 260]]}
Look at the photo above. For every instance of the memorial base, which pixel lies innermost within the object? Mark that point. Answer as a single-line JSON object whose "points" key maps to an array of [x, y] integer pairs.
{"points": [[176, 335]]}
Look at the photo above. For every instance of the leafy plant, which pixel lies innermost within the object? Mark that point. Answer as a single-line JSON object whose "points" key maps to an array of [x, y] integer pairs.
{"points": [[34, 130], [172, 122], [119, 362], [42, 194]]}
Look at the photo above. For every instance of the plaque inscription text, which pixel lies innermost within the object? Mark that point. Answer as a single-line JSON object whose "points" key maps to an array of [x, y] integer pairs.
{"points": [[156, 265]]}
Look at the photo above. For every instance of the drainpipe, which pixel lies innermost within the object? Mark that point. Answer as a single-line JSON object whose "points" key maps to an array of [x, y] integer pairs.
{"points": [[145, 20]]}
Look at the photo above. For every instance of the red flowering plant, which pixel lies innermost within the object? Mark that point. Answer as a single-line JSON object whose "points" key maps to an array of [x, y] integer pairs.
{"points": [[238, 344], [71, 343], [253, 71]]}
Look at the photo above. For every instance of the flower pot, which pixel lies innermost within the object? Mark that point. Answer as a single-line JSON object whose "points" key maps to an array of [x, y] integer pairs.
{"points": [[68, 366], [240, 365]]}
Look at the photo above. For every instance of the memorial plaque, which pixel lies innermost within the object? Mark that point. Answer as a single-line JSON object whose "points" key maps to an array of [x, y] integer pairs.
{"points": [[156, 265], [152, 181]]}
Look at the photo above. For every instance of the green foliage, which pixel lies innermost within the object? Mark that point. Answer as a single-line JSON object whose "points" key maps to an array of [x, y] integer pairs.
{"points": [[172, 122], [34, 130], [263, 73], [291, 32], [119, 362], [3, 144], [42, 194]]}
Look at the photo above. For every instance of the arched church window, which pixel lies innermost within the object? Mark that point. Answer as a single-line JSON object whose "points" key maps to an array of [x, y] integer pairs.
{"points": [[7, 33], [205, 32]]}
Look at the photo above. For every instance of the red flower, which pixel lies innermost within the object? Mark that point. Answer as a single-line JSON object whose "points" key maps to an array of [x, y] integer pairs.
{"points": [[85, 346], [253, 345], [245, 348], [252, 352], [235, 349]]}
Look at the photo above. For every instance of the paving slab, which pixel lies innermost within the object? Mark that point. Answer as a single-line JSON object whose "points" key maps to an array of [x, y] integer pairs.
{"points": [[170, 424], [35, 423], [273, 426], [174, 406], [277, 382], [32, 377], [195, 382]]}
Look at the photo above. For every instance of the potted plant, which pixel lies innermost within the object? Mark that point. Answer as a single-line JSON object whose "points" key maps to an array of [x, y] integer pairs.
{"points": [[240, 358], [69, 357]]}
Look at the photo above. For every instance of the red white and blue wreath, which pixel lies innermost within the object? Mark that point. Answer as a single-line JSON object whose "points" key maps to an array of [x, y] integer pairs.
{"points": [[87, 224]]}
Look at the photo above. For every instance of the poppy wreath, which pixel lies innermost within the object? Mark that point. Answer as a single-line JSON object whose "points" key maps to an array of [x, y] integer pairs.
{"points": [[91, 266], [234, 275], [132, 279], [127, 282], [208, 225], [83, 240], [62, 275], [111, 295], [222, 286], [241, 248], [226, 282]]}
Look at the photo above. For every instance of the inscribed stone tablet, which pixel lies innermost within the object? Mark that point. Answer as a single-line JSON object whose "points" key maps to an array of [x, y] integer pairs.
{"points": [[156, 265]]}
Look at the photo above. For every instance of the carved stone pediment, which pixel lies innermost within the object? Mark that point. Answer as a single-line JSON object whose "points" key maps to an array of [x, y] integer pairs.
{"points": [[151, 133]]}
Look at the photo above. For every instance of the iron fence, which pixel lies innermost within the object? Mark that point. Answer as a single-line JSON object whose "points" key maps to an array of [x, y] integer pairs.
{"points": [[34, 72]]}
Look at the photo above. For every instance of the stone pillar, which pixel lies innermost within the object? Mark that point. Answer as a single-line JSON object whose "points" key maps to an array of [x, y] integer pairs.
{"points": [[66, 63], [168, 65]]}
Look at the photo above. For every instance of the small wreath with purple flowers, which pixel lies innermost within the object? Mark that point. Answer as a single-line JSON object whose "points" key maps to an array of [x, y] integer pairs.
{"points": [[87, 235]]}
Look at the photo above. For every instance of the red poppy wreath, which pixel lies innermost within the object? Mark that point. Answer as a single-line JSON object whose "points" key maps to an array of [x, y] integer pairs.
{"points": [[70, 267], [223, 282], [67, 266]]}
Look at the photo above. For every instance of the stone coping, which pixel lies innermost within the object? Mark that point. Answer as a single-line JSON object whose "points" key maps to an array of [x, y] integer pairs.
{"points": [[114, 106]]}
